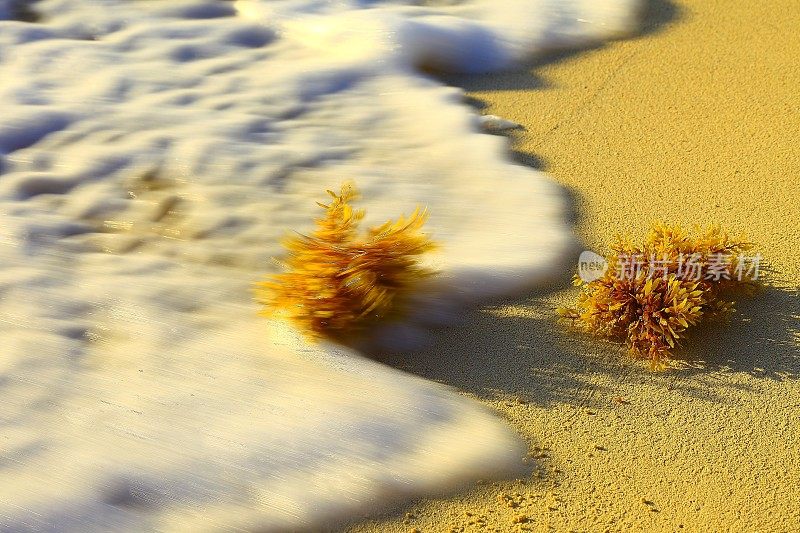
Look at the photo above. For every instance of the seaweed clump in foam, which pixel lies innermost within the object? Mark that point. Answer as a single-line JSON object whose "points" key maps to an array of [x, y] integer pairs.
{"points": [[338, 281], [652, 294]]}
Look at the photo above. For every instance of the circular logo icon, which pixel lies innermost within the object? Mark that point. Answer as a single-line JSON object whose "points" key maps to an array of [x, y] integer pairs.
{"points": [[591, 266]]}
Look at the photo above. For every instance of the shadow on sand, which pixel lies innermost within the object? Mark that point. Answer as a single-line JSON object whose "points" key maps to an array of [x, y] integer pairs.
{"points": [[518, 348], [656, 15]]}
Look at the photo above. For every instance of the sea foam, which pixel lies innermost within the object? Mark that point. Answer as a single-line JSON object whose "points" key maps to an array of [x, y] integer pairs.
{"points": [[152, 154]]}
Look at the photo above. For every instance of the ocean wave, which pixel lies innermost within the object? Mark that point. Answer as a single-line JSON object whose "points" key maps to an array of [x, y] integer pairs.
{"points": [[152, 154]]}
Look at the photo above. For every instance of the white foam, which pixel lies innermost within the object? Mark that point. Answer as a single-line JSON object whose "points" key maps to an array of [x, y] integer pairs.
{"points": [[151, 155]]}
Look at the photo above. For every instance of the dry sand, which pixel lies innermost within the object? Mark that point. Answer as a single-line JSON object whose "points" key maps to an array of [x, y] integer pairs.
{"points": [[697, 120]]}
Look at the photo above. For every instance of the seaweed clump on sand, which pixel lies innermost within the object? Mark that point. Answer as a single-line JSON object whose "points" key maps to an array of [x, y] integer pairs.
{"points": [[652, 294], [338, 281]]}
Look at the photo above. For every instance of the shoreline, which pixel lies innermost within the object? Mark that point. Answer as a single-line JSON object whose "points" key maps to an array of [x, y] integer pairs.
{"points": [[692, 122]]}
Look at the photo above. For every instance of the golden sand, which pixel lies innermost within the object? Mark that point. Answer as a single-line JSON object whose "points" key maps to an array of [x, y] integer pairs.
{"points": [[695, 121]]}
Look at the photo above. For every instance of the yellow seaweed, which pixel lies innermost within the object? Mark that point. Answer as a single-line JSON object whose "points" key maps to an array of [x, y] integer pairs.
{"points": [[338, 282], [652, 311]]}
